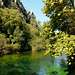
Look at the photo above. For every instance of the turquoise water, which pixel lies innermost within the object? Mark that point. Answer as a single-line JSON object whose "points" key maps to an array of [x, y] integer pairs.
{"points": [[32, 63]]}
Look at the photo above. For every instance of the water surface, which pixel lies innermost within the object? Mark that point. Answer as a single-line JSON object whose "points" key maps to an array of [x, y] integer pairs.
{"points": [[32, 63]]}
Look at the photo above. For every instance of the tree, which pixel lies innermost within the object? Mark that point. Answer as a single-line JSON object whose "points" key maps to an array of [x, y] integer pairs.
{"points": [[14, 26], [61, 15], [18, 36], [10, 19]]}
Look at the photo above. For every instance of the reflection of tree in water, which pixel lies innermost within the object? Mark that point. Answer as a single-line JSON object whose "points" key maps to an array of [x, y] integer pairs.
{"points": [[63, 63], [59, 68], [37, 65], [17, 67]]}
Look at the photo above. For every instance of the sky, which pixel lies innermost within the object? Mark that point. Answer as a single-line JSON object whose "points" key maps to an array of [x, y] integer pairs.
{"points": [[35, 6]]}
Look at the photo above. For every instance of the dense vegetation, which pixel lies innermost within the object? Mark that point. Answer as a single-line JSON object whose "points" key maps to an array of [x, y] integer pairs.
{"points": [[60, 31], [56, 36], [13, 29], [15, 34]]}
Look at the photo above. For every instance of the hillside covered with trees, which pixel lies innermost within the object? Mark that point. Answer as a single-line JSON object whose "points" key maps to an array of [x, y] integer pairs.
{"points": [[20, 31]]}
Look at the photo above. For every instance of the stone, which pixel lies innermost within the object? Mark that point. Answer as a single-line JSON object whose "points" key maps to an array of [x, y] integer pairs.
{"points": [[19, 6], [1, 3]]}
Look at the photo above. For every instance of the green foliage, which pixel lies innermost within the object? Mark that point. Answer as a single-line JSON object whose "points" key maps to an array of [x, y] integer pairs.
{"points": [[47, 30], [36, 41], [17, 31], [58, 43], [15, 28], [17, 36], [37, 44], [8, 48], [14, 6], [55, 70], [10, 18], [13, 48], [2, 43], [61, 15], [64, 43]]}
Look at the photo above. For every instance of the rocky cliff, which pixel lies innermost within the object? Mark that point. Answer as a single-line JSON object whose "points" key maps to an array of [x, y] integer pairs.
{"points": [[16, 4]]}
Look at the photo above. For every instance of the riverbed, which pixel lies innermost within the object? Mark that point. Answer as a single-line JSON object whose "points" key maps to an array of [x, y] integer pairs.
{"points": [[33, 63]]}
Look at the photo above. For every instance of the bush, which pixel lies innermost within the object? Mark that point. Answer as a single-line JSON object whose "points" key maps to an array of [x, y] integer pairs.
{"points": [[8, 48], [2, 43], [37, 44], [13, 48]]}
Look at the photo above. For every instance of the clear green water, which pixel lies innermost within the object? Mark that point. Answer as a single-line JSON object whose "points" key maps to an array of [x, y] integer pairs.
{"points": [[32, 63]]}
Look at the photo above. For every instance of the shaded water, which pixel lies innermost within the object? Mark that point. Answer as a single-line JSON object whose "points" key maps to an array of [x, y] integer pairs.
{"points": [[32, 63]]}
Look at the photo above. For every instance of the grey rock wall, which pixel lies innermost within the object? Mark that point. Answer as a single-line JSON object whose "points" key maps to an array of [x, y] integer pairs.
{"points": [[20, 7], [1, 3]]}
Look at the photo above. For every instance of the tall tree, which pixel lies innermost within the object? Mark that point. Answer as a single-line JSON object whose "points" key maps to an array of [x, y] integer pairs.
{"points": [[61, 14]]}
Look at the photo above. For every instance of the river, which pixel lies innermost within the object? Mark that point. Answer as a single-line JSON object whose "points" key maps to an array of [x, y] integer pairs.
{"points": [[32, 63]]}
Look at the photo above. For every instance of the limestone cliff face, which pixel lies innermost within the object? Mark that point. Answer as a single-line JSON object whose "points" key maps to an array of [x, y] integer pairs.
{"points": [[8, 3], [16, 4], [1, 3]]}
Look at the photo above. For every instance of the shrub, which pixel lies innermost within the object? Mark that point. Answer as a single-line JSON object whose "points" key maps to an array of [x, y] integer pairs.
{"points": [[13, 48], [37, 44], [2, 43]]}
